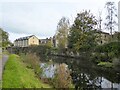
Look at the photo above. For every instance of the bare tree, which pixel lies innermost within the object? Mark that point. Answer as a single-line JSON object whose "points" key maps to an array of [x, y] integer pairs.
{"points": [[99, 24], [111, 15], [100, 21]]}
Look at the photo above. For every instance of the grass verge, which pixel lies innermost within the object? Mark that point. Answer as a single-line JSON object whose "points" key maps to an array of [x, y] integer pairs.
{"points": [[16, 75]]}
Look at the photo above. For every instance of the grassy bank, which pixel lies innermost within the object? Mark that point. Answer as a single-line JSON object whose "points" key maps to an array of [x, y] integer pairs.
{"points": [[16, 75]]}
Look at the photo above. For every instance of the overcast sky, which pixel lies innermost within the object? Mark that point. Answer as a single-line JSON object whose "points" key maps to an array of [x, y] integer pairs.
{"points": [[40, 17]]}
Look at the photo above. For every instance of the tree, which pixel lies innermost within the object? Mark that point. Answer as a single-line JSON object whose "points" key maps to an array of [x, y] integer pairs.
{"points": [[111, 15], [82, 33], [5, 38], [99, 21], [99, 24], [62, 32]]}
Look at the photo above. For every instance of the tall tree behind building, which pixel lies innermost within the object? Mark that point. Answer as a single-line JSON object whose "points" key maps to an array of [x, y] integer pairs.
{"points": [[82, 36], [62, 32], [111, 17]]}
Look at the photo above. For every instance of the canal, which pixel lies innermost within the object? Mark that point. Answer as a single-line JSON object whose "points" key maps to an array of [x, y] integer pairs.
{"points": [[84, 73]]}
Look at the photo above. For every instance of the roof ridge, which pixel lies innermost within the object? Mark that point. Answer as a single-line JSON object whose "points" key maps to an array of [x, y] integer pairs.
{"points": [[25, 37]]}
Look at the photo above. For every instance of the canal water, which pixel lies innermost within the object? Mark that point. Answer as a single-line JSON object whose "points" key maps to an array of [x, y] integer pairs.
{"points": [[84, 73]]}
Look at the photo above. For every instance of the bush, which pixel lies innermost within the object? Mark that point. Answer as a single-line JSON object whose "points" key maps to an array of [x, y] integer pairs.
{"points": [[62, 78], [110, 51], [33, 62], [98, 57], [40, 50], [116, 63], [113, 47]]}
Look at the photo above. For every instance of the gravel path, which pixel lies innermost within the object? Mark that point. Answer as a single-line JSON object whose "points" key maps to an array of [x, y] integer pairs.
{"points": [[2, 64]]}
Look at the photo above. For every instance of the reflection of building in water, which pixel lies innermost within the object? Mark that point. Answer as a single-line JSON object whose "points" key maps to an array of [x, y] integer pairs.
{"points": [[107, 84]]}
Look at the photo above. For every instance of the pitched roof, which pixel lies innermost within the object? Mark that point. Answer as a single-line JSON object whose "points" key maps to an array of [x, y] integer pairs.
{"points": [[24, 38]]}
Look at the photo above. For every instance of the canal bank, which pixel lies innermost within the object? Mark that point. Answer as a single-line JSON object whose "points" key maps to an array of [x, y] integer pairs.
{"points": [[16, 75]]}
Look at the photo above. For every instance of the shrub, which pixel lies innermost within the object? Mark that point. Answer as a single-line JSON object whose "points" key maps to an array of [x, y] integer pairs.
{"points": [[113, 47], [62, 78], [33, 62], [98, 57], [116, 63], [40, 50]]}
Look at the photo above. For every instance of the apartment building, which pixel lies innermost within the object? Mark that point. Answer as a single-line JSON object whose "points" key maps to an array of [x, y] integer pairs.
{"points": [[103, 37], [26, 41]]}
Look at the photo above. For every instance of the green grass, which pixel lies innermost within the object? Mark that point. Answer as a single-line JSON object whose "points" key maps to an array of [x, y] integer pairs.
{"points": [[0, 84], [105, 64], [16, 75]]}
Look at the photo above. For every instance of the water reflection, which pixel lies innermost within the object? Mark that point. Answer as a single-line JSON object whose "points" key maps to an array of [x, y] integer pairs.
{"points": [[48, 70], [85, 74]]}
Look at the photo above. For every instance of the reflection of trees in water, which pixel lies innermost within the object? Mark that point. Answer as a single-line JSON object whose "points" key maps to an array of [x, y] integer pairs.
{"points": [[110, 74], [83, 74], [86, 74]]}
